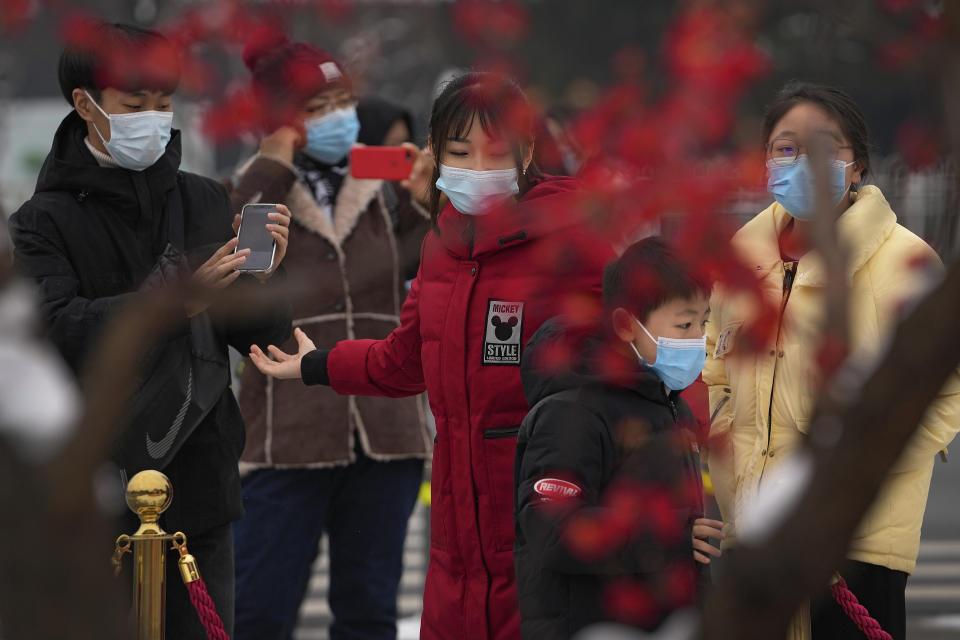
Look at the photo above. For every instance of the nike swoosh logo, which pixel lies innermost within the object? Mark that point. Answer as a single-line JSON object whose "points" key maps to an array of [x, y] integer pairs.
{"points": [[158, 449]]}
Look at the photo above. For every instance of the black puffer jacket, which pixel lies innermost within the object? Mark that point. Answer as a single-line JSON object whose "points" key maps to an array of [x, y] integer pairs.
{"points": [[607, 480], [89, 237]]}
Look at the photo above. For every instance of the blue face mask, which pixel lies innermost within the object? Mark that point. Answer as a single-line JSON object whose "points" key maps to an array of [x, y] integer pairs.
{"points": [[679, 360], [473, 192], [792, 185], [330, 137]]}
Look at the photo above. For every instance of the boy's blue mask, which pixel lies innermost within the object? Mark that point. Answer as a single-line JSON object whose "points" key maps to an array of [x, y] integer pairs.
{"points": [[679, 360]]}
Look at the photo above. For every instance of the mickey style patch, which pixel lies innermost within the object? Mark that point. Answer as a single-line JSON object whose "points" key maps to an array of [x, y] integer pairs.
{"points": [[503, 333]]}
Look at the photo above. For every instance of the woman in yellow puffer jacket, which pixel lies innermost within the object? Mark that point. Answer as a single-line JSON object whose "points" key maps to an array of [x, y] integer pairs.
{"points": [[761, 403]]}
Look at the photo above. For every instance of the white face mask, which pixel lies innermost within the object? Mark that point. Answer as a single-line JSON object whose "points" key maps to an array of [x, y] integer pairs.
{"points": [[137, 140], [474, 192]]}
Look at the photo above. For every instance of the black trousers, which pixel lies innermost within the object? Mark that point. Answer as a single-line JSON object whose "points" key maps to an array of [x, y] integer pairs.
{"points": [[879, 589]]}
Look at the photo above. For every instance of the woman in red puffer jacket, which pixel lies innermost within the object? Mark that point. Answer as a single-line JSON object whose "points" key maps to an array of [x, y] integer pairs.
{"points": [[506, 253]]}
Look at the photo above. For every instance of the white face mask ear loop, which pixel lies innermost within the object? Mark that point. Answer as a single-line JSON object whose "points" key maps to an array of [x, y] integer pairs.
{"points": [[105, 115], [652, 339], [634, 347], [850, 192]]}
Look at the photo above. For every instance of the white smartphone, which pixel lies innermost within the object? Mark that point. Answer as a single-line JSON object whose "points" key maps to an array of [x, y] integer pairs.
{"points": [[253, 235]]}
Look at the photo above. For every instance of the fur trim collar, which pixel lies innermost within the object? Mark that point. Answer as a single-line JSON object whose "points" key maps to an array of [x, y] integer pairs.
{"points": [[353, 199]]}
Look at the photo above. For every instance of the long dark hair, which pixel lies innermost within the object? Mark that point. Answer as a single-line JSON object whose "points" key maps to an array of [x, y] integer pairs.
{"points": [[835, 102], [501, 108]]}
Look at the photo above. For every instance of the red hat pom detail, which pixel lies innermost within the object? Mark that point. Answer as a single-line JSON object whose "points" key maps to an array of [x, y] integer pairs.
{"points": [[263, 41]]}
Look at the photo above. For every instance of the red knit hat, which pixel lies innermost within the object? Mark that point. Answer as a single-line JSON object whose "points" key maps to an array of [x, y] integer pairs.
{"points": [[285, 71]]}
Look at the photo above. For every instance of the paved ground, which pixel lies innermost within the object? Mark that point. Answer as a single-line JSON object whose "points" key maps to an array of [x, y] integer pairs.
{"points": [[933, 592], [315, 614]]}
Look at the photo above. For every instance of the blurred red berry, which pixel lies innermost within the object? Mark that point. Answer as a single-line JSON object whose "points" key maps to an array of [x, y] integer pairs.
{"points": [[488, 23], [919, 144], [897, 6], [15, 14], [678, 584], [631, 601]]}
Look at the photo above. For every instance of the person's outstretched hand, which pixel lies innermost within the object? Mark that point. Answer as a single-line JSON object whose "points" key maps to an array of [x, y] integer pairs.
{"points": [[283, 365], [704, 528]]}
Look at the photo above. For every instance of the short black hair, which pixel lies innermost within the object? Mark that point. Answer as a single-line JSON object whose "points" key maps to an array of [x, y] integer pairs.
{"points": [[99, 55], [836, 102], [648, 275]]}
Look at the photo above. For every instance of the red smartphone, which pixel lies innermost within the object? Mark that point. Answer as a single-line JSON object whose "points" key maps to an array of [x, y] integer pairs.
{"points": [[381, 163]]}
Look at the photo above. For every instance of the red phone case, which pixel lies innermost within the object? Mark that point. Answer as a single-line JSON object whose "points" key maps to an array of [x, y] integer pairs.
{"points": [[381, 163]]}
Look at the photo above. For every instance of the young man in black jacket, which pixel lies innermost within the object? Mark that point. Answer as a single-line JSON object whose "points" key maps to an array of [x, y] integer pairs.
{"points": [[110, 206], [608, 488]]}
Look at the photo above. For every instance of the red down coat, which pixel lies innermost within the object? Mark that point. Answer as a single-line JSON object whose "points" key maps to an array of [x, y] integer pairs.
{"points": [[469, 312]]}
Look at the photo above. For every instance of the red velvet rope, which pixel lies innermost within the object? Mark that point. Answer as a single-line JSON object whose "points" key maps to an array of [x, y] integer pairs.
{"points": [[857, 612], [206, 610]]}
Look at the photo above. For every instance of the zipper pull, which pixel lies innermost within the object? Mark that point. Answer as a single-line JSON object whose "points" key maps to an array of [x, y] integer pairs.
{"points": [[789, 274]]}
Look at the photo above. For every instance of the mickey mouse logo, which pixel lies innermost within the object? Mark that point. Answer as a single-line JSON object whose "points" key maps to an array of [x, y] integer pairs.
{"points": [[503, 333], [503, 330]]}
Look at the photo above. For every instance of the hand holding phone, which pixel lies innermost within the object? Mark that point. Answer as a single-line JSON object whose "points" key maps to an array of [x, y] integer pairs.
{"points": [[218, 272], [421, 178], [254, 235], [381, 163]]}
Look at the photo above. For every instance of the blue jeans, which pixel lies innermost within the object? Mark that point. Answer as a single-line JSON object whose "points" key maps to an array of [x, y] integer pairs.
{"points": [[363, 508]]}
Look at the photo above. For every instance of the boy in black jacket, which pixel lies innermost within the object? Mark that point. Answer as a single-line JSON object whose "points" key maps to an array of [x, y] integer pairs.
{"points": [[111, 206], [607, 477]]}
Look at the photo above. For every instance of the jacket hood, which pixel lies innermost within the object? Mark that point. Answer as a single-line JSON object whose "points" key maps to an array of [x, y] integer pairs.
{"points": [[548, 205], [862, 228], [377, 116], [71, 167], [562, 356]]}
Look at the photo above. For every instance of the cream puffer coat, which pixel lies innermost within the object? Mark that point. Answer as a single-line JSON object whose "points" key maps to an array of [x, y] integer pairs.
{"points": [[779, 382]]}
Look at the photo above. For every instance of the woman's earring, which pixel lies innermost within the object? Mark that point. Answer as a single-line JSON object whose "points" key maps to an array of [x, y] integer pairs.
{"points": [[524, 171]]}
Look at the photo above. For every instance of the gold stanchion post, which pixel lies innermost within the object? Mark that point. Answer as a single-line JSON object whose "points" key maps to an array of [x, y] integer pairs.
{"points": [[149, 494]]}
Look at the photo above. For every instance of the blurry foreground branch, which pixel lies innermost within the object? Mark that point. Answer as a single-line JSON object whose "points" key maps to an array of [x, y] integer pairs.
{"points": [[55, 542], [949, 71]]}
